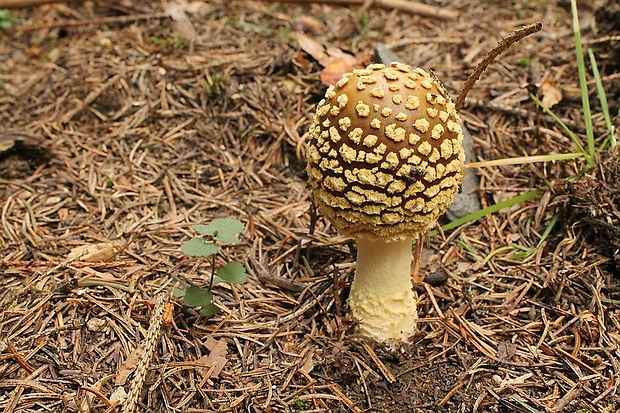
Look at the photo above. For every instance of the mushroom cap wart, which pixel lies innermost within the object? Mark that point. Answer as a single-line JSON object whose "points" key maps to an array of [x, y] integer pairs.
{"points": [[385, 154]]}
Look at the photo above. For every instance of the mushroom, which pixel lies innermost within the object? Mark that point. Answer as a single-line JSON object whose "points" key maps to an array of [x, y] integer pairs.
{"points": [[384, 160]]}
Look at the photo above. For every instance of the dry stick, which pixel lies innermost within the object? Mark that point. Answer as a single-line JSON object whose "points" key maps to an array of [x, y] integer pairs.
{"points": [[452, 392], [97, 21], [19, 4], [19, 358], [491, 55], [344, 399], [404, 5], [382, 367], [418, 249]]}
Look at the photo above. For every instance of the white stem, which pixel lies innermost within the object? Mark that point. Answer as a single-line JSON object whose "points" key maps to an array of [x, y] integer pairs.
{"points": [[382, 299]]}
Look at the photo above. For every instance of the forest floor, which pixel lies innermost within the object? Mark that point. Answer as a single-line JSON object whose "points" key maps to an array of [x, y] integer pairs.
{"points": [[121, 127]]}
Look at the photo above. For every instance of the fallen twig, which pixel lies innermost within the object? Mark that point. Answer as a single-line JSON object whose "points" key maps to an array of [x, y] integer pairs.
{"points": [[93, 22], [489, 58], [404, 5], [20, 4], [382, 367]]}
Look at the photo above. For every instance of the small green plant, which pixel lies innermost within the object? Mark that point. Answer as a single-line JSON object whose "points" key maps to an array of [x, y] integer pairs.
{"points": [[525, 62], [6, 19], [214, 84], [208, 244], [285, 35], [299, 405], [175, 41]]}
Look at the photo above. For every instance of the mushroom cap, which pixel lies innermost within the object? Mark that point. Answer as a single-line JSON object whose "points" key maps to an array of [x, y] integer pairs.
{"points": [[385, 154]]}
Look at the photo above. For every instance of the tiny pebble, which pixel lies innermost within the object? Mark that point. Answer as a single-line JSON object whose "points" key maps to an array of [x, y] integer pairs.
{"points": [[118, 394], [95, 324], [436, 278]]}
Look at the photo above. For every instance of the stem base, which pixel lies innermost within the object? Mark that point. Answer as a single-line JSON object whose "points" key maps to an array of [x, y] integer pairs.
{"points": [[382, 299]]}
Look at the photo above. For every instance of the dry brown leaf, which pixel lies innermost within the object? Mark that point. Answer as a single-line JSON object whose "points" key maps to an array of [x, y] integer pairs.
{"points": [[334, 71], [551, 95], [313, 48], [506, 351], [462, 267], [336, 54], [129, 365], [216, 358], [335, 62], [104, 251], [302, 62], [180, 22], [308, 366], [307, 24], [119, 394]]}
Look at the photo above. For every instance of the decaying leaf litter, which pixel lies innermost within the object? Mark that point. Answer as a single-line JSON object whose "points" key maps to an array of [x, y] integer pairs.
{"points": [[136, 134]]}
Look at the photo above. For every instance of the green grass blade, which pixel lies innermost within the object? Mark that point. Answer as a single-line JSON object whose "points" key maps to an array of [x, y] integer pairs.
{"points": [[602, 97], [559, 121], [465, 246], [526, 406], [548, 230], [500, 250], [583, 85], [528, 252], [490, 210]]}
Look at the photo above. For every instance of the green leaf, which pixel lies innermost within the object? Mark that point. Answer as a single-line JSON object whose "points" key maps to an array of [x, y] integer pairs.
{"points": [[197, 247], [202, 229], [233, 272], [209, 310], [222, 229], [197, 297], [178, 293], [6, 19]]}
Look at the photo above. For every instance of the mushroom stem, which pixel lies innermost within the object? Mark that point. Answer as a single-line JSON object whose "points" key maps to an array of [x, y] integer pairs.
{"points": [[382, 298]]}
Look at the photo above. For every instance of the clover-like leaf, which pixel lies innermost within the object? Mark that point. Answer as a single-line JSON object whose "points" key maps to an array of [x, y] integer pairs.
{"points": [[233, 272], [222, 229], [178, 293], [197, 297], [197, 247], [209, 310], [6, 19]]}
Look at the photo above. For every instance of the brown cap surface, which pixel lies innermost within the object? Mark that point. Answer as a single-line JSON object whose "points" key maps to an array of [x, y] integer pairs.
{"points": [[385, 153]]}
